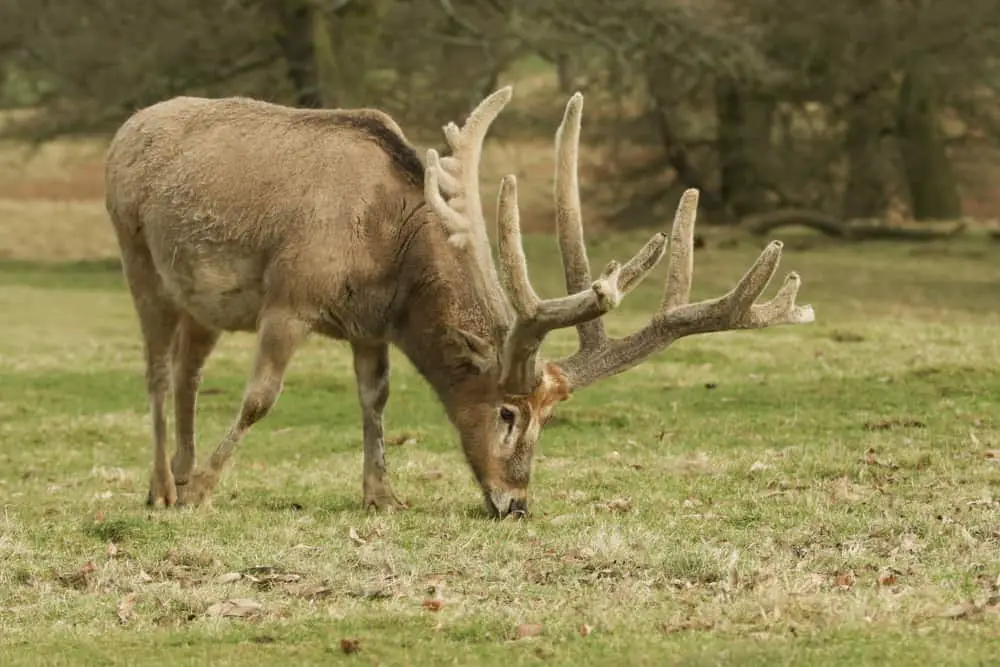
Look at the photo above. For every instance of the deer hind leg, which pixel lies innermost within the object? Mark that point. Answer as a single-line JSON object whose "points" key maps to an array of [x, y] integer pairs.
{"points": [[158, 318], [279, 334], [192, 345], [371, 369]]}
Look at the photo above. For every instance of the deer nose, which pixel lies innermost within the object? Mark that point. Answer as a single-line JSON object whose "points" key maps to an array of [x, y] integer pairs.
{"points": [[518, 508], [502, 504]]}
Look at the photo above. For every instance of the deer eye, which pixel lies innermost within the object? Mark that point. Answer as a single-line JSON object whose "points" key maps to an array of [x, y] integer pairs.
{"points": [[507, 415]]}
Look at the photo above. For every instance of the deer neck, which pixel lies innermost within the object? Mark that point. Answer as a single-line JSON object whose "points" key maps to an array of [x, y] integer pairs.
{"points": [[439, 303]]}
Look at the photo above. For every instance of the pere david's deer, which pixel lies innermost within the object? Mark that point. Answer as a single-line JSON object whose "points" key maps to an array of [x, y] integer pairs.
{"points": [[240, 215]]}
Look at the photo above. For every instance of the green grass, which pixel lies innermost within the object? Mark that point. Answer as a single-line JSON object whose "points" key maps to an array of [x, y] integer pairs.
{"points": [[722, 504]]}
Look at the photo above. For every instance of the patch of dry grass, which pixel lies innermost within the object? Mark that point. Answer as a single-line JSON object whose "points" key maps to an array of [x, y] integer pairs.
{"points": [[823, 495]]}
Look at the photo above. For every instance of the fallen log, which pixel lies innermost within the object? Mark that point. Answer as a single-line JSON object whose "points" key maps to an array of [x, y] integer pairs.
{"points": [[761, 224]]}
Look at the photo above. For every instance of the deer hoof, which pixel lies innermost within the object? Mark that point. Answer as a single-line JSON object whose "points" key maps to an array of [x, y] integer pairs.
{"points": [[384, 501], [162, 488], [198, 491]]}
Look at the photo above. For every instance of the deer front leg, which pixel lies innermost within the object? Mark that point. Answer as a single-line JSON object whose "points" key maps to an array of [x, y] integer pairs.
{"points": [[371, 370], [278, 336]]}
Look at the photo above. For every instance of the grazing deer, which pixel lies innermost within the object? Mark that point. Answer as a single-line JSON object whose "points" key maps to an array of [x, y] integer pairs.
{"points": [[240, 215]]}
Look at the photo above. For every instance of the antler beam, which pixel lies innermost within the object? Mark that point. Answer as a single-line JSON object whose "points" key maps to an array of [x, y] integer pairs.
{"points": [[677, 317]]}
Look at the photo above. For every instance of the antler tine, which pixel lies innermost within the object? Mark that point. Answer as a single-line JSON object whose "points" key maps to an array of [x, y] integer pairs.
{"points": [[680, 268], [460, 171], [457, 177], [535, 317], [677, 318], [569, 218]]}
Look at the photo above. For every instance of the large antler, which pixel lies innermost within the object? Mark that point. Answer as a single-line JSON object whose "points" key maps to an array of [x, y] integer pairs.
{"points": [[523, 317], [600, 357]]}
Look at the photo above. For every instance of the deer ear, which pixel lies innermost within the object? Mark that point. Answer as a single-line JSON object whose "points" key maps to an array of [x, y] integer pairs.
{"points": [[473, 350]]}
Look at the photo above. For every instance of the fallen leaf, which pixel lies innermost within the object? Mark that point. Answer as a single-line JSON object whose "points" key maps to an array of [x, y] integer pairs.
{"points": [[234, 608], [433, 604], [619, 505], [383, 593], [99, 517], [992, 454], [144, 577], [887, 424], [352, 534], [112, 550], [350, 646], [757, 466], [313, 592], [228, 578], [961, 611], [844, 581], [125, 606], [585, 630], [402, 440], [528, 630]]}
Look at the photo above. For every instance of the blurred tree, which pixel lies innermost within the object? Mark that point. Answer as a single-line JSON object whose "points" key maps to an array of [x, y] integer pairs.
{"points": [[762, 104]]}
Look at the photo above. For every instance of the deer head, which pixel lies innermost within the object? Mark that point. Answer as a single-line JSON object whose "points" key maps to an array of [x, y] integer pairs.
{"points": [[501, 419]]}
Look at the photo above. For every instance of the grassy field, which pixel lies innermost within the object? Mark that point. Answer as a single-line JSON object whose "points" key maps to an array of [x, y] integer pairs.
{"points": [[824, 494]]}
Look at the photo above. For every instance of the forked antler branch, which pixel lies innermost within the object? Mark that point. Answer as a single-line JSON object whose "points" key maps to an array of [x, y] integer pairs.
{"points": [[512, 300], [677, 317]]}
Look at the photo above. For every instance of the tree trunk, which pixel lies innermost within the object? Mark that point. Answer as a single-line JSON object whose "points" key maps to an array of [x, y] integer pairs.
{"points": [[564, 71], [932, 183], [294, 35], [743, 144], [867, 192]]}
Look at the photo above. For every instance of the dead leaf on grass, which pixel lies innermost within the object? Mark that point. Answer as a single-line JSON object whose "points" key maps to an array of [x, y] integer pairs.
{"points": [[886, 424], [402, 440], [350, 646], [617, 505], [888, 577], [78, 579], [585, 630], [315, 592], [433, 604], [844, 581], [993, 454], [758, 466], [234, 608], [685, 625], [111, 550], [125, 606], [528, 630], [352, 534]]}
